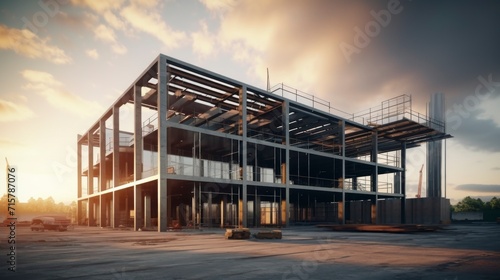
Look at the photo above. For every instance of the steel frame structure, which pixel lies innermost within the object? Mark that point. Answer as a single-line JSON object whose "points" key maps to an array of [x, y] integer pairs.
{"points": [[203, 149]]}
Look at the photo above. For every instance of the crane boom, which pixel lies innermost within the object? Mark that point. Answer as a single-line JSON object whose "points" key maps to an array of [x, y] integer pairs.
{"points": [[419, 193]]}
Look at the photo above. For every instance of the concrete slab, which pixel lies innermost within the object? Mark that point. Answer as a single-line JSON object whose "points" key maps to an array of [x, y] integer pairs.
{"points": [[459, 252]]}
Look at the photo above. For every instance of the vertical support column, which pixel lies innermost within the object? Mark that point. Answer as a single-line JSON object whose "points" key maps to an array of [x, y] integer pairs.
{"points": [[79, 211], [374, 177], [91, 212], [138, 208], [79, 178], [102, 211], [147, 210], [116, 146], [138, 150], [243, 132], [115, 220], [403, 182], [102, 157], [138, 141], [209, 210], [90, 169], [79, 168], [162, 143], [341, 210], [256, 209], [286, 141], [194, 203], [223, 214]]}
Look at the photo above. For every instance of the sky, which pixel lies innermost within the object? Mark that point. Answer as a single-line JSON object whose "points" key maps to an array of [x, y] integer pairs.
{"points": [[64, 62]]}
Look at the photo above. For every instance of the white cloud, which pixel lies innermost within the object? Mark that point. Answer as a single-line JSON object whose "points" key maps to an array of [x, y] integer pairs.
{"points": [[489, 108], [28, 44], [92, 53], [218, 5], [297, 41], [10, 111], [114, 21], [136, 15], [101, 5], [150, 21], [203, 41], [45, 85], [107, 35]]}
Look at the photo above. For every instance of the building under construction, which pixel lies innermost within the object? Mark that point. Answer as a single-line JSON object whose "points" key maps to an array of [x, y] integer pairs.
{"points": [[186, 147]]}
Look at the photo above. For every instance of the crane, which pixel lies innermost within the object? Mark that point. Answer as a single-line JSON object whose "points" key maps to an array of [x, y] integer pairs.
{"points": [[419, 193]]}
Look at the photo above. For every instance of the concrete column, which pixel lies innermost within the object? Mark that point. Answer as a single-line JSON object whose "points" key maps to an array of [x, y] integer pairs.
{"points": [[102, 211], [79, 211], [162, 143], [102, 153], [341, 210], [374, 178], [374, 153], [209, 210], [286, 131], [91, 213], [194, 203], [116, 146], [79, 169], [403, 182], [138, 141], [90, 169], [168, 216], [138, 209], [243, 132], [373, 211], [147, 210], [116, 209], [112, 212], [435, 148], [223, 204], [256, 210]]}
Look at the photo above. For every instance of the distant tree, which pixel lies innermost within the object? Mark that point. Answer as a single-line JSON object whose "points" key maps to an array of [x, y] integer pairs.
{"points": [[40, 206], [31, 205], [49, 205], [493, 204], [470, 204], [3, 206]]}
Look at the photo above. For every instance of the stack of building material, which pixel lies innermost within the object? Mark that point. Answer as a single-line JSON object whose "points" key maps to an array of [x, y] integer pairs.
{"points": [[237, 233]]}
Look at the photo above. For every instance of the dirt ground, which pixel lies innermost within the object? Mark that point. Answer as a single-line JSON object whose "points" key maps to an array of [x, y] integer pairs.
{"points": [[458, 252]]}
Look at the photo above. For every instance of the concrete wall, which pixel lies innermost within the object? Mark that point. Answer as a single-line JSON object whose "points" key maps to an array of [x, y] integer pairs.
{"points": [[467, 216], [389, 211], [428, 210]]}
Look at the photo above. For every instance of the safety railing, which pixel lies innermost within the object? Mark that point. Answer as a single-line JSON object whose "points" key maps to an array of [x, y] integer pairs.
{"points": [[307, 99]]}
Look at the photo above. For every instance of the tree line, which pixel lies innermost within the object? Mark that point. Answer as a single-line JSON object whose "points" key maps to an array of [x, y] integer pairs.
{"points": [[40, 206], [469, 204]]}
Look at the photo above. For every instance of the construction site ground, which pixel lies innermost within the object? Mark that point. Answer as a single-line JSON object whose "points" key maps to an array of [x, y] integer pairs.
{"points": [[466, 251]]}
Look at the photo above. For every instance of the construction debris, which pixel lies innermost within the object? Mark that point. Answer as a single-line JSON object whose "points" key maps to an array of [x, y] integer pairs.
{"points": [[237, 233]]}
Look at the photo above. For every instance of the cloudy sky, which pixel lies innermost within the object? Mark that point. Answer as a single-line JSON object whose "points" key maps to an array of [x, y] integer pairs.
{"points": [[63, 62]]}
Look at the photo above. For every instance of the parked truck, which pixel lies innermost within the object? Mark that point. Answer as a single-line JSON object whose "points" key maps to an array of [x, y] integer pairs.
{"points": [[50, 222]]}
